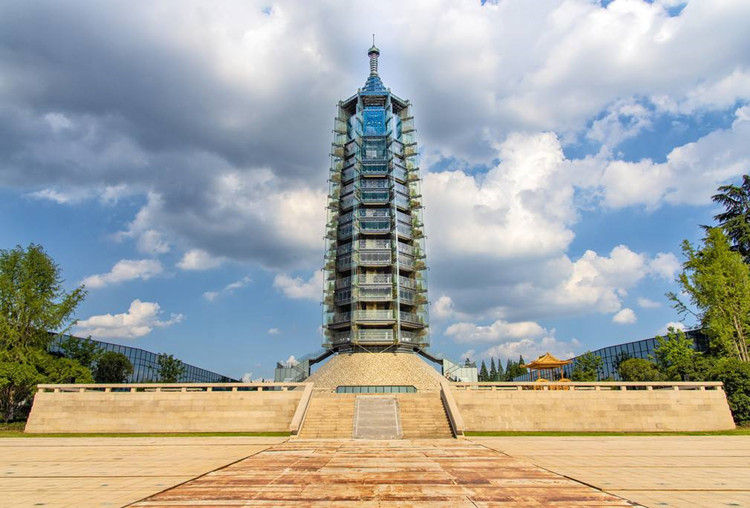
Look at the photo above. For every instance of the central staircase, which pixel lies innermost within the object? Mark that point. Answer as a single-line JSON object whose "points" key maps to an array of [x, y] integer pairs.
{"points": [[420, 415]]}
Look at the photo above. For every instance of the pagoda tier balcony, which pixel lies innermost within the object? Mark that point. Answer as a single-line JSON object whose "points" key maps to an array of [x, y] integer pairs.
{"points": [[375, 258], [347, 203], [345, 231], [406, 282], [402, 202], [339, 318], [337, 338], [404, 231], [343, 298], [405, 249], [365, 336], [399, 173], [406, 262], [375, 294], [374, 316], [411, 319], [374, 170], [374, 227], [379, 197], [413, 337], [348, 174], [344, 263], [375, 278], [374, 244], [407, 125]]}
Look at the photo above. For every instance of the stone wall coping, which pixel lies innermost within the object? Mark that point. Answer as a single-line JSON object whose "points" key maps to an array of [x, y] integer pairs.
{"points": [[167, 387], [600, 385]]}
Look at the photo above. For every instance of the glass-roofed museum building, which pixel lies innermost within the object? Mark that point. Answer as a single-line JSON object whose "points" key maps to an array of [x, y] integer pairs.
{"points": [[375, 283]]}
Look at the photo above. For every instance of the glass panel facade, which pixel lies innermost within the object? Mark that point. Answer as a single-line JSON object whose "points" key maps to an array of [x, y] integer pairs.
{"points": [[146, 366]]}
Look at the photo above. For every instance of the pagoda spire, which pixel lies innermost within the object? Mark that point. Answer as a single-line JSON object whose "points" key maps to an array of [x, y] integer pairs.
{"points": [[373, 53]]}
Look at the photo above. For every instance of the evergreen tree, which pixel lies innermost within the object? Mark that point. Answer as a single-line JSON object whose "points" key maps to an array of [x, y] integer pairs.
{"points": [[483, 374], [493, 369], [500, 370], [735, 221]]}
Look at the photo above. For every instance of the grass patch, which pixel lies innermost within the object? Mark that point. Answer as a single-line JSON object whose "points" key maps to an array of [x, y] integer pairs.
{"points": [[16, 430], [740, 431]]}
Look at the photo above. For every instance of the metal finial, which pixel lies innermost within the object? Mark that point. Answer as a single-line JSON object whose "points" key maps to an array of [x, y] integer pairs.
{"points": [[373, 53]]}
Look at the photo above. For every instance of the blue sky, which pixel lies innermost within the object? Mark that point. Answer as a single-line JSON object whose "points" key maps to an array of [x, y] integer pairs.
{"points": [[172, 156]]}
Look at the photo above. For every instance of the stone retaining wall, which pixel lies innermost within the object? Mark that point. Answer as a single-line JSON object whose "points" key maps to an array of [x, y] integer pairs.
{"points": [[164, 408], [592, 407]]}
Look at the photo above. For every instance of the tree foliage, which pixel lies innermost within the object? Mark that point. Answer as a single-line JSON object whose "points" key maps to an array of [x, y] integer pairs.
{"points": [[32, 299], [587, 367], [170, 369], [735, 374], [675, 355], [717, 281], [20, 372], [639, 369], [493, 370], [735, 219], [112, 367], [84, 351], [483, 374]]}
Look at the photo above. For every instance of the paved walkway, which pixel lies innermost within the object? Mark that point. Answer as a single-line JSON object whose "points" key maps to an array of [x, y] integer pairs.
{"points": [[710, 471], [435, 473], [657, 471], [82, 472]]}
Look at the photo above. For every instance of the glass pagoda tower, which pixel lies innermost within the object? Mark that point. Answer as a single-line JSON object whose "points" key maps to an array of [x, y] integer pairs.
{"points": [[375, 293]]}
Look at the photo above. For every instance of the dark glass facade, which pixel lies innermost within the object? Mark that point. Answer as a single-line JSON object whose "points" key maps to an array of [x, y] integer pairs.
{"points": [[146, 366]]}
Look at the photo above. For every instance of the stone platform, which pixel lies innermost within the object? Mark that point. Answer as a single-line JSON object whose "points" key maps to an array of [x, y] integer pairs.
{"points": [[435, 473]]}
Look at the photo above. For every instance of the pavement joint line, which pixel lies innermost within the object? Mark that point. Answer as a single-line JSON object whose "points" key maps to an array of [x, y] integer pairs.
{"points": [[522, 459], [202, 475]]}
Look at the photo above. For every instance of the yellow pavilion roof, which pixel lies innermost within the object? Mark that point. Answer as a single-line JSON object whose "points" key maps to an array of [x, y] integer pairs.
{"points": [[546, 361]]}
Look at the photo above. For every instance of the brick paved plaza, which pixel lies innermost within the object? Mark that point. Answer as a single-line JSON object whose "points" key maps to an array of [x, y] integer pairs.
{"points": [[246, 471]]}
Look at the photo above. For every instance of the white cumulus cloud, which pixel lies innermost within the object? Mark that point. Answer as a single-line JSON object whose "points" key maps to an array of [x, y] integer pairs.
{"points": [[197, 259], [298, 288], [139, 320], [125, 270], [625, 317]]}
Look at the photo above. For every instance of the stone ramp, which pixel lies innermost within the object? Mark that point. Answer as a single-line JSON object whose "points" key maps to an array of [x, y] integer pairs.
{"points": [[432, 473], [376, 418]]}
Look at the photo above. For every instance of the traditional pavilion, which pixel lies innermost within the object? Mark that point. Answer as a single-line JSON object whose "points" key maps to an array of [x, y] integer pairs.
{"points": [[546, 367]]}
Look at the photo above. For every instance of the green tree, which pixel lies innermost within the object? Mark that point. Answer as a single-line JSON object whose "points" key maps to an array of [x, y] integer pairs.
{"points": [[493, 370], [639, 369], [500, 371], [735, 374], [676, 358], [112, 367], [32, 299], [84, 351], [170, 369], [483, 374], [514, 369], [21, 370], [735, 220], [586, 367], [717, 281]]}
